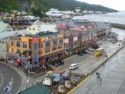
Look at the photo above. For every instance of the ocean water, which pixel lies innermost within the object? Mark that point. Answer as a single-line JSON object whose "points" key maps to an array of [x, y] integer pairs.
{"points": [[118, 17]]}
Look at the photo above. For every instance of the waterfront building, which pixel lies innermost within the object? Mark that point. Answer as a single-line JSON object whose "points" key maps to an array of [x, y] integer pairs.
{"points": [[37, 49], [78, 33], [39, 26]]}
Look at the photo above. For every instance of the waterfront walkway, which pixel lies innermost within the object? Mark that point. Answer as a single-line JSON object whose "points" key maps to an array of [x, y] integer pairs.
{"points": [[113, 78]]}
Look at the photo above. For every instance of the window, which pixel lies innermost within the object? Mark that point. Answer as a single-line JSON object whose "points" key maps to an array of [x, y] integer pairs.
{"points": [[54, 46], [12, 43], [47, 50], [35, 46], [18, 51], [18, 44], [24, 45], [36, 54], [47, 43], [11, 58], [47, 46]]}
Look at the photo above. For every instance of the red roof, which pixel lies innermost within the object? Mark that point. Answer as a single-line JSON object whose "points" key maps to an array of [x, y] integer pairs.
{"points": [[88, 41], [62, 26], [79, 28]]}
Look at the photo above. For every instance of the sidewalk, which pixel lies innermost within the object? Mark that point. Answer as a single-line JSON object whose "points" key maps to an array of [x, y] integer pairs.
{"points": [[113, 78]]}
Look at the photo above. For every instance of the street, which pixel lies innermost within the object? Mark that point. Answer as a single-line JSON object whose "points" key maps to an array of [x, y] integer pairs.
{"points": [[113, 78], [6, 75], [88, 62]]}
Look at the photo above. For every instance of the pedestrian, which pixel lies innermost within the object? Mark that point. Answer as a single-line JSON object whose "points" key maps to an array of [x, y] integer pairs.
{"points": [[98, 76]]}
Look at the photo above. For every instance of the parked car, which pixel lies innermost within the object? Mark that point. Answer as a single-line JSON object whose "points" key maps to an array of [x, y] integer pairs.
{"points": [[73, 66], [87, 51], [91, 49], [60, 62], [95, 46]]}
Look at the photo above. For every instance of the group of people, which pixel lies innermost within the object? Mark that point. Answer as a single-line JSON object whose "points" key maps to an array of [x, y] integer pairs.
{"points": [[99, 77]]}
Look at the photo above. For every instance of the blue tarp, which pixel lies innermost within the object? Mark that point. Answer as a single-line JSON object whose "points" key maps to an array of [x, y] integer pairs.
{"points": [[57, 77]]}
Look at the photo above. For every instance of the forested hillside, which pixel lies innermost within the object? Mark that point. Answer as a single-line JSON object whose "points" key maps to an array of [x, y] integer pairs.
{"points": [[45, 5]]}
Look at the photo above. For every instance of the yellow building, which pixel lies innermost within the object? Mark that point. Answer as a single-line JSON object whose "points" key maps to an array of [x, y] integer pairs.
{"points": [[40, 47]]}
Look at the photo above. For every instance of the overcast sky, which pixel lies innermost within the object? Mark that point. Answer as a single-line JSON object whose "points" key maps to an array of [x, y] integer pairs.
{"points": [[115, 4]]}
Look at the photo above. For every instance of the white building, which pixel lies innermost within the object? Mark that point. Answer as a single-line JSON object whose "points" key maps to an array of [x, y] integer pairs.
{"points": [[54, 13], [39, 26], [4, 27]]}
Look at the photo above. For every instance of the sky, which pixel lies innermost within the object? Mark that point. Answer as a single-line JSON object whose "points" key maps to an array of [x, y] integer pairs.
{"points": [[114, 4]]}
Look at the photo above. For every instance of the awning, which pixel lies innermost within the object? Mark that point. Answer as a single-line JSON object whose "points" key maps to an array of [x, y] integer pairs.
{"points": [[57, 77], [65, 74], [58, 70], [18, 61]]}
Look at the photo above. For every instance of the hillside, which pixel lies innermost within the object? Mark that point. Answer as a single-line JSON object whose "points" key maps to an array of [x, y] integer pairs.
{"points": [[44, 5]]}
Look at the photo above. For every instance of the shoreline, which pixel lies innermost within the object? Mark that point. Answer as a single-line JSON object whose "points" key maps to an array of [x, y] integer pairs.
{"points": [[119, 26]]}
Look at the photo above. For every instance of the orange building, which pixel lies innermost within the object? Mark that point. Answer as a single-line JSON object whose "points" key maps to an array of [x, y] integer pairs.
{"points": [[37, 48]]}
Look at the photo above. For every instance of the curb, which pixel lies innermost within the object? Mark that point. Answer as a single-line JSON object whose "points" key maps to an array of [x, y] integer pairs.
{"points": [[79, 84]]}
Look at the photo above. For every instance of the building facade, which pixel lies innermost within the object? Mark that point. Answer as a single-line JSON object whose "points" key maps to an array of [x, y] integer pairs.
{"points": [[78, 34], [35, 48]]}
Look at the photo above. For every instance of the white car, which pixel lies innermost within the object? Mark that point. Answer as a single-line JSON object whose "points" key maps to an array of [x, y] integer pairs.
{"points": [[73, 66], [91, 49]]}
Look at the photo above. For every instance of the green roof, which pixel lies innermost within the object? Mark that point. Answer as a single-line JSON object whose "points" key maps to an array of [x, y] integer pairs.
{"points": [[2, 26], [36, 90], [43, 34], [47, 33]]}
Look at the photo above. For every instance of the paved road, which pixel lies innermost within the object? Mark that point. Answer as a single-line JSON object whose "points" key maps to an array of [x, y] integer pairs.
{"points": [[87, 62], [113, 78], [6, 74]]}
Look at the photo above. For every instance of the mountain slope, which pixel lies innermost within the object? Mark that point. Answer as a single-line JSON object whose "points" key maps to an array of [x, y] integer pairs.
{"points": [[45, 5], [71, 5]]}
